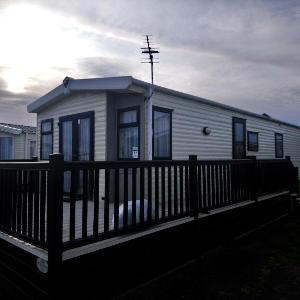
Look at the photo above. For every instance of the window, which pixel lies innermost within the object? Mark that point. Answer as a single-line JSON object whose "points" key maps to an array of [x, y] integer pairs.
{"points": [[128, 133], [32, 149], [278, 145], [6, 148], [162, 133], [46, 138], [238, 138], [252, 141]]}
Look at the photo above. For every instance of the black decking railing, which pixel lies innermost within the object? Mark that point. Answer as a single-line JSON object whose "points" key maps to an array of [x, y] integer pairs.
{"points": [[62, 205], [23, 201]]}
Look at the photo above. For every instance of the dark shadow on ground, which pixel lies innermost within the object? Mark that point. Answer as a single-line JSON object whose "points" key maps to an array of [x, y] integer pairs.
{"points": [[264, 265]]}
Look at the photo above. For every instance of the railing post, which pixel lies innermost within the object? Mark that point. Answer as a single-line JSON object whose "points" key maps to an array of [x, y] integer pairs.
{"points": [[55, 213], [193, 186], [255, 179], [293, 177]]}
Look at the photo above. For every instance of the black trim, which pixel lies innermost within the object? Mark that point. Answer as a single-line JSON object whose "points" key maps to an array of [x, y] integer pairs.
{"points": [[241, 121], [169, 111], [45, 133], [74, 118], [252, 147], [133, 124], [282, 148]]}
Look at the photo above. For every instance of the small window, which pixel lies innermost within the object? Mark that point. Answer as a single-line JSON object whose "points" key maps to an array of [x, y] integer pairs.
{"points": [[278, 145], [252, 141], [128, 133], [6, 148], [162, 133], [46, 139]]}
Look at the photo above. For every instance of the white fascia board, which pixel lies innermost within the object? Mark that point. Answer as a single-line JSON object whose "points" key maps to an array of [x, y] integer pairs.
{"points": [[75, 85], [46, 100]]}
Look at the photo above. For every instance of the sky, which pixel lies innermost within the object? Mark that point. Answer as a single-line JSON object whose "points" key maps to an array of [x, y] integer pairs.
{"points": [[241, 53]]}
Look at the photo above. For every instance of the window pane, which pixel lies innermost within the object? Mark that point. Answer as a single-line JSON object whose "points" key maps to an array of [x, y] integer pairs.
{"points": [[84, 139], [162, 134], [46, 145], [67, 140], [46, 126], [6, 148], [239, 132], [128, 117], [279, 145], [252, 141], [128, 141]]}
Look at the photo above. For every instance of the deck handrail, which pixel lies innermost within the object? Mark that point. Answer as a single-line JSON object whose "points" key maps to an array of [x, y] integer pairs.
{"points": [[102, 199]]}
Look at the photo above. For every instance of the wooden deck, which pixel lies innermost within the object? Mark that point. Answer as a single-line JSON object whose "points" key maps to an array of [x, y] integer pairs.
{"points": [[38, 252]]}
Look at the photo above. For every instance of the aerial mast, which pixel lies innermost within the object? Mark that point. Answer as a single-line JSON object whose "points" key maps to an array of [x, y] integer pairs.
{"points": [[150, 59]]}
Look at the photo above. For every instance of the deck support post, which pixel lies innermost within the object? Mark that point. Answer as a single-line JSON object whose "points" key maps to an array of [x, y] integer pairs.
{"points": [[293, 177], [255, 178], [193, 186], [55, 214], [293, 203]]}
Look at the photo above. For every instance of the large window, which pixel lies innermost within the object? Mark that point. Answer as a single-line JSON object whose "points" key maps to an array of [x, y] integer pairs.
{"points": [[162, 133], [252, 141], [128, 133], [278, 145], [6, 148], [238, 138], [46, 138]]}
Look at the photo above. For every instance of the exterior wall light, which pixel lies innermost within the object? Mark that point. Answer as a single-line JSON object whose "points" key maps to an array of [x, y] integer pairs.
{"points": [[206, 130]]}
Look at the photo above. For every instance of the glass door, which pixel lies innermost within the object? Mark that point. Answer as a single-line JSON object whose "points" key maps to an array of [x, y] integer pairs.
{"points": [[238, 138], [76, 144]]}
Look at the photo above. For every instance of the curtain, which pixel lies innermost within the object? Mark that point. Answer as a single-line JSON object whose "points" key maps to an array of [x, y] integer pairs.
{"points": [[67, 140], [6, 148], [67, 151], [46, 145], [128, 117], [84, 139], [162, 134], [128, 139], [46, 126]]}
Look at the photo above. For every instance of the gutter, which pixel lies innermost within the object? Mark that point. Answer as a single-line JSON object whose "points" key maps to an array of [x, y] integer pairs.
{"points": [[210, 102]]}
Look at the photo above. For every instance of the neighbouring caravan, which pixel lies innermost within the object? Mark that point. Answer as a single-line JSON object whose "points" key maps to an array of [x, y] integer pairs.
{"points": [[17, 142], [107, 119]]}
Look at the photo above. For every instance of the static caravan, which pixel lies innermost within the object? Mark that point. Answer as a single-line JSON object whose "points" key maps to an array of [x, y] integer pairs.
{"points": [[17, 142], [108, 118]]}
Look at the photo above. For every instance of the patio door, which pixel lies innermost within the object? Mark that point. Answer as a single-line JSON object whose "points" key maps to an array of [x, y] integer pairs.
{"points": [[76, 142]]}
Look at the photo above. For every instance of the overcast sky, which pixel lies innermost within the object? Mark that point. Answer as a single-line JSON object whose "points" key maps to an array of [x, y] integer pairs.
{"points": [[242, 53]]}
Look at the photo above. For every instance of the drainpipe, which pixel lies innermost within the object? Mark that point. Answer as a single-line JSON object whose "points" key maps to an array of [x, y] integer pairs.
{"points": [[149, 119]]}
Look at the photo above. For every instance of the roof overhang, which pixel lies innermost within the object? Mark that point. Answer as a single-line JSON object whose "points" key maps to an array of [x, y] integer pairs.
{"points": [[126, 84], [115, 84], [9, 129]]}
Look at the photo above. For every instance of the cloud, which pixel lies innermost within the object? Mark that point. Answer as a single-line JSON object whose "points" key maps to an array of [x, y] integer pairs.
{"points": [[242, 53]]}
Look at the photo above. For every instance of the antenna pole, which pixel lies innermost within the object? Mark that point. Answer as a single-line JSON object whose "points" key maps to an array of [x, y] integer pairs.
{"points": [[150, 51]]}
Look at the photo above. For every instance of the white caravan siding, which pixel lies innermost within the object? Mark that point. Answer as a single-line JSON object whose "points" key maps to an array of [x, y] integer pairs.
{"points": [[190, 116], [18, 144], [74, 104]]}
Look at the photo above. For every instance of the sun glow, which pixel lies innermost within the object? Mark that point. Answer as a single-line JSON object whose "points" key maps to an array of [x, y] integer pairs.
{"points": [[35, 43]]}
